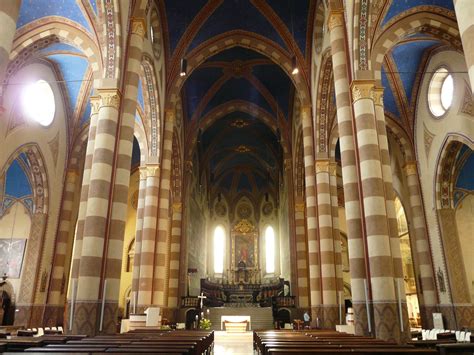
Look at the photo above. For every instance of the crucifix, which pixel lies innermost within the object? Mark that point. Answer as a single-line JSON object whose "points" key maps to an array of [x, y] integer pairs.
{"points": [[202, 297]]}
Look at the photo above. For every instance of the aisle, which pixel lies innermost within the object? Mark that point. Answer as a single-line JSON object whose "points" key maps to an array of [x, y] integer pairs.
{"points": [[233, 343]]}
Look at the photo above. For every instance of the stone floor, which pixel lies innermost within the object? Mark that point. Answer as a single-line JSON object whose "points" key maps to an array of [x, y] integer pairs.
{"points": [[233, 343]]}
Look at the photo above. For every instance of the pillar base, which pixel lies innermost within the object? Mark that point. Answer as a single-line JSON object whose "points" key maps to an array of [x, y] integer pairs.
{"points": [[53, 315], [457, 316], [426, 315], [317, 316], [387, 322], [86, 318], [330, 316], [361, 324], [29, 315]]}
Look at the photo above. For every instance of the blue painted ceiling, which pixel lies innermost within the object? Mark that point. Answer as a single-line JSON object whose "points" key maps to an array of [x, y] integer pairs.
{"points": [[241, 159], [465, 178], [32, 10], [17, 184], [399, 6], [238, 14]]}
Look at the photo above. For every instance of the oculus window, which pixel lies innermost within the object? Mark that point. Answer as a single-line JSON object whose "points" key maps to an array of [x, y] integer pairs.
{"points": [[38, 102], [440, 92]]}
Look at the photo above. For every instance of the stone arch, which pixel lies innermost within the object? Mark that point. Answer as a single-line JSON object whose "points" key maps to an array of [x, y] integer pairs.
{"points": [[445, 168], [299, 165], [152, 107], [319, 26], [418, 19], [243, 39], [55, 31], [38, 176], [401, 137], [325, 84], [140, 135], [157, 43]]}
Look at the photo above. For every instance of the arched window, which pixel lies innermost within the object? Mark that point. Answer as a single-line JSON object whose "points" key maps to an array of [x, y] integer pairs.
{"points": [[219, 247], [440, 92], [269, 250]]}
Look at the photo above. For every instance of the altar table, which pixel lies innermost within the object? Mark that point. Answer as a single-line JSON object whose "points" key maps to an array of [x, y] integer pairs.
{"points": [[235, 319]]}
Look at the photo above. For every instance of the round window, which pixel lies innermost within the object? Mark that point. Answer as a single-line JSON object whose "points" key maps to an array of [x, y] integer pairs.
{"points": [[440, 92], [38, 102]]}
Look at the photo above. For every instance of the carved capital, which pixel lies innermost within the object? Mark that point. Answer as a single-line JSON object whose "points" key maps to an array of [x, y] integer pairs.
{"points": [[143, 172], [410, 168], [152, 170], [299, 207], [335, 19], [322, 166], [177, 207], [377, 95], [109, 98], [138, 26], [95, 105], [306, 111], [362, 89]]}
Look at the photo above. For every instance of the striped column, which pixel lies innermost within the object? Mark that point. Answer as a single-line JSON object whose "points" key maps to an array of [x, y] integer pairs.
{"points": [[174, 255], [160, 282], [326, 244], [377, 96], [87, 306], [138, 236], [336, 237], [386, 322], [355, 232], [8, 16], [121, 178], [301, 253], [77, 248], [422, 247], [465, 17], [62, 246], [147, 255], [311, 216]]}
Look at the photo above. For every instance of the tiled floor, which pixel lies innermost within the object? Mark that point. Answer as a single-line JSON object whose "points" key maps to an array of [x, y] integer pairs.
{"points": [[233, 343]]}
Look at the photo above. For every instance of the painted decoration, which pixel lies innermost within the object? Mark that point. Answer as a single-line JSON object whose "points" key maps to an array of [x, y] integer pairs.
{"points": [[244, 251], [11, 257]]}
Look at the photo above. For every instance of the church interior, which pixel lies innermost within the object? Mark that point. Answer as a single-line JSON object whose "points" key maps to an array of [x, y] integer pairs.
{"points": [[271, 163]]}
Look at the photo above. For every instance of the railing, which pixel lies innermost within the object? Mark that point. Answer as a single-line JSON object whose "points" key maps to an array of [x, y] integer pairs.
{"points": [[189, 301], [285, 301]]}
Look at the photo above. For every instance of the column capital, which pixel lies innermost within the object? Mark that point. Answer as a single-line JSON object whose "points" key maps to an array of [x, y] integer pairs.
{"points": [[109, 97], [335, 19], [410, 168], [95, 104], [299, 207], [322, 166], [138, 26], [362, 89], [143, 172], [177, 207], [333, 168], [306, 110], [170, 115], [71, 175], [152, 170], [377, 95]]}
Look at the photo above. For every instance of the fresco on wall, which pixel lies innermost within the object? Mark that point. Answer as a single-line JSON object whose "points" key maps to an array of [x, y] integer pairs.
{"points": [[11, 257]]}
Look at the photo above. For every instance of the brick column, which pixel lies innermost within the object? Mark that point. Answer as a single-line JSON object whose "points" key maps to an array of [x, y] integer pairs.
{"points": [[355, 232], [382, 274], [326, 243], [301, 253], [377, 96], [138, 237], [311, 217], [175, 254], [424, 264], [160, 283]]}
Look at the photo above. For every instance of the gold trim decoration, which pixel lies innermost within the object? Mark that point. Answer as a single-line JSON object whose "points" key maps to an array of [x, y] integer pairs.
{"points": [[239, 123], [362, 89], [333, 168], [288, 164], [170, 115], [377, 95], [242, 149], [335, 19], [72, 175], [138, 26], [109, 98], [244, 227], [410, 168], [322, 166], [299, 207]]}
